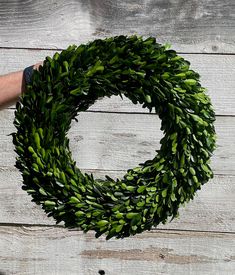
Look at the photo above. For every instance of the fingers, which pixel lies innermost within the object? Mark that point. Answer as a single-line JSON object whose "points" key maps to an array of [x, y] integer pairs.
{"points": [[36, 66]]}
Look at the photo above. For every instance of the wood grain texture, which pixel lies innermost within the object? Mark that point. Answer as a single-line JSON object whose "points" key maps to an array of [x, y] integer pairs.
{"points": [[211, 209], [46, 250], [191, 26], [217, 75], [115, 135], [121, 141]]}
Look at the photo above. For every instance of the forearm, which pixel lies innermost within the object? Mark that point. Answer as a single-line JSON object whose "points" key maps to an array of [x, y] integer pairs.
{"points": [[11, 86]]}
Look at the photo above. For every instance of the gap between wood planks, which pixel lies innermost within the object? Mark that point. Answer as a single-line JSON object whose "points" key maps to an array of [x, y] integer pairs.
{"points": [[153, 229], [125, 112], [61, 49], [93, 170]]}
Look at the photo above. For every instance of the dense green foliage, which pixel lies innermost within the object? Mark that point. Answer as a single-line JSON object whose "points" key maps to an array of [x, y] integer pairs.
{"points": [[147, 73]]}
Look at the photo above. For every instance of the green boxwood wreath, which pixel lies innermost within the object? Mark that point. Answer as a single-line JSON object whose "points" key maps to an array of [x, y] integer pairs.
{"points": [[147, 73]]}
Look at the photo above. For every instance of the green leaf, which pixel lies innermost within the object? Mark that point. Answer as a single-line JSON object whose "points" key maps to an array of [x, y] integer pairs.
{"points": [[119, 227], [49, 203], [63, 177], [148, 99], [56, 56], [31, 150], [96, 68], [165, 75], [167, 46], [135, 220], [181, 75], [102, 223], [195, 179], [130, 178], [42, 191], [39, 162], [130, 188], [173, 197], [157, 198], [111, 233], [31, 191], [205, 168], [79, 213], [140, 203], [59, 183], [176, 58], [174, 147], [182, 161], [37, 140], [49, 99], [190, 82], [113, 60], [164, 193], [192, 171], [74, 200], [35, 167], [141, 189], [66, 65], [76, 91], [131, 215], [159, 168], [174, 183]]}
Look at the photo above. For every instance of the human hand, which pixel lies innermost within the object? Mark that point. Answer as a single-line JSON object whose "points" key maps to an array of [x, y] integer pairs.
{"points": [[36, 66]]}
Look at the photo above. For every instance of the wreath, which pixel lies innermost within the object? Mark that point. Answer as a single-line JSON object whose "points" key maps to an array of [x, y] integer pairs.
{"points": [[147, 73]]}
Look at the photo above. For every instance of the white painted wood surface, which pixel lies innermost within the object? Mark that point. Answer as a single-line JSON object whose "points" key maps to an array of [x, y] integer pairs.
{"points": [[54, 250], [115, 135], [190, 26]]}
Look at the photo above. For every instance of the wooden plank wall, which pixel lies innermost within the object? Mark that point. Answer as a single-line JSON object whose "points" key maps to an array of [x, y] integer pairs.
{"points": [[114, 135]]}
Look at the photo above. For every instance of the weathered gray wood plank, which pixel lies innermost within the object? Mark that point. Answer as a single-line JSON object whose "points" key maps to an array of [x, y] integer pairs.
{"points": [[121, 141], [191, 26], [47, 250], [217, 75], [209, 211]]}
